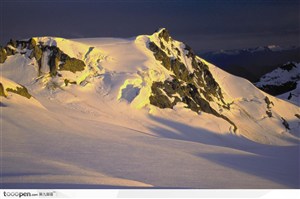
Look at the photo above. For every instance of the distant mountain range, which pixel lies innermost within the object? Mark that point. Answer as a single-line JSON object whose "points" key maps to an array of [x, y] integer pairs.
{"points": [[253, 63]]}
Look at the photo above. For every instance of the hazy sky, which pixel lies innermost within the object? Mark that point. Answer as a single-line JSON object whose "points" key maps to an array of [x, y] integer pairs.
{"points": [[204, 25]]}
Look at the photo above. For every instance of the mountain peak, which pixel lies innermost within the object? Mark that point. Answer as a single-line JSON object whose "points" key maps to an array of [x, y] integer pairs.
{"points": [[163, 33], [159, 30]]}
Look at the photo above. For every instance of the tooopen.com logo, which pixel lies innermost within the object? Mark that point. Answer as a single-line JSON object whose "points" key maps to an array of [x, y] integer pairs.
{"points": [[17, 194]]}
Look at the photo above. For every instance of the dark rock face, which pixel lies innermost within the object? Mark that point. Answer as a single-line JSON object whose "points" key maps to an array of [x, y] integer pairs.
{"points": [[196, 89], [269, 113], [2, 93], [72, 64], [285, 123], [57, 59], [180, 70], [10, 51], [279, 89], [20, 91], [66, 81], [36, 53], [3, 55], [13, 43], [160, 55], [164, 34], [31, 43], [268, 102], [288, 66], [53, 58], [269, 107]]}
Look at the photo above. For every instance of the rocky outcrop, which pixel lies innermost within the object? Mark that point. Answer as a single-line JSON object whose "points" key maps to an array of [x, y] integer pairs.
{"points": [[72, 64], [20, 91], [269, 107], [288, 66], [285, 123], [2, 93], [57, 59], [3, 55], [67, 82], [164, 34], [279, 89], [194, 87]]}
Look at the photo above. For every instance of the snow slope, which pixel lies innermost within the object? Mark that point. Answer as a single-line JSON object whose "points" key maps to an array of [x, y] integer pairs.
{"points": [[103, 132]]}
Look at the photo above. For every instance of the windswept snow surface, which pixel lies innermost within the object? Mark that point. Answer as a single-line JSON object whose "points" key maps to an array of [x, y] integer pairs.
{"points": [[105, 134]]}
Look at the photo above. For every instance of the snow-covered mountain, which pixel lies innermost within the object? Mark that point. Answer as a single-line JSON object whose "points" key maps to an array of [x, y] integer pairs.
{"points": [[283, 81], [252, 63], [144, 111], [269, 48]]}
